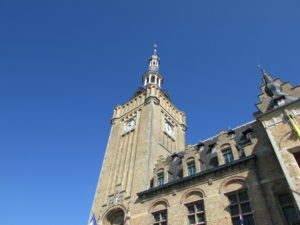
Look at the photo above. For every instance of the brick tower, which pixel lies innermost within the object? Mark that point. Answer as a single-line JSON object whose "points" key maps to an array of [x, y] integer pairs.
{"points": [[147, 127]]}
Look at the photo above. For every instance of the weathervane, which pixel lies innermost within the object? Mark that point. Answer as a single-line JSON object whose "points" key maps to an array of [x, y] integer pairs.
{"points": [[262, 70], [155, 48]]}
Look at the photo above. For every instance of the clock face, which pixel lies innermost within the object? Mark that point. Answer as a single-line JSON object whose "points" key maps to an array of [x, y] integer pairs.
{"points": [[129, 125], [169, 129]]}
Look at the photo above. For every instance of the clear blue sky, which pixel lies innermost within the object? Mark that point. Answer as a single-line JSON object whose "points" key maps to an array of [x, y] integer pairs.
{"points": [[65, 64]]}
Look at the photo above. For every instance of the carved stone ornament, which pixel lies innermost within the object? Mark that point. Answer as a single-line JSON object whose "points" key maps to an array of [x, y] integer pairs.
{"points": [[115, 199]]}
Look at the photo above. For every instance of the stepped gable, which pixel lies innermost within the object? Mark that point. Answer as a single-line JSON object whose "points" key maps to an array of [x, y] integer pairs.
{"points": [[275, 94]]}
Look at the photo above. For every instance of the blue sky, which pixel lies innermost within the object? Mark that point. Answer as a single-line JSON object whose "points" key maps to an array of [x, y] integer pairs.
{"points": [[65, 64]]}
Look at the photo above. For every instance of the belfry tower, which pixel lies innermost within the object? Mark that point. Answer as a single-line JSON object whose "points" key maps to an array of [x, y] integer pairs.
{"points": [[146, 127]]}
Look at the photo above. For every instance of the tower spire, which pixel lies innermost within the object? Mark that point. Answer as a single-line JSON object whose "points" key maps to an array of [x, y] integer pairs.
{"points": [[153, 76], [154, 60]]}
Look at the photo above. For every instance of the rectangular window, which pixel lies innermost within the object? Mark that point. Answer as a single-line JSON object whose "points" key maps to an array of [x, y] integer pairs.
{"points": [[240, 207], [227, 155], [160, 179], [191, 168], [288, 209], [160, 218], [196, 213]]}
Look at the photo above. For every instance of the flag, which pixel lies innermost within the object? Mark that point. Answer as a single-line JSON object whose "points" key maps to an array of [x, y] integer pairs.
{"points": [[242, 222], [93, 220], [295, 126]]}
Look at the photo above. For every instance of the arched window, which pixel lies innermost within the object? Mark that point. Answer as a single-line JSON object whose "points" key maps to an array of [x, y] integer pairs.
{"points": [[196, 213], [240, 208], [160, 178], [115, 217], [227, 155], [153, 79], [191, 167], [159, 213], [195, 210], [236, 190], [160, 217]]}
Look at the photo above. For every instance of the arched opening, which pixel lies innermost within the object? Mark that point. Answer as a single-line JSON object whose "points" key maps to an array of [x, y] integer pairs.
{"points": [[115, 217], [152, 79], [159, 211], [194, 204]]}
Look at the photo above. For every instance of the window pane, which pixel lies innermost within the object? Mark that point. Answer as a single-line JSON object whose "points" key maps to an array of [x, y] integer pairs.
{"points": [[236, 221], [291, 215], [156, 218], [234, 210], [249, 220], [164, 216], [191, 209], [200, 206], [160, 179], [191, 168], [246, 207], [227, 155], [200, 217], [232, 199], [192, 220], [285, 199], [243, 196]]}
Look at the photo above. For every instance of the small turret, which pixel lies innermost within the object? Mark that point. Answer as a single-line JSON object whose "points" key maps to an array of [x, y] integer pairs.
{"points": [[152, 76]]}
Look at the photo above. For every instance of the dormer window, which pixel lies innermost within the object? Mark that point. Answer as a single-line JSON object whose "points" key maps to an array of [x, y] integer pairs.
{"points": [[191, 168], [246, 137], [160, 179], [231, 134], [201, 147], [212, 148], [227, 155]]}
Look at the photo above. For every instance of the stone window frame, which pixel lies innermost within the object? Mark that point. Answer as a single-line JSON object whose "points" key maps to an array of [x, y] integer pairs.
{"points": [[243, 185], [279, 189], [162, 220], [184, 201], [227, 152], [239, 204], [189, 162], [157, 207], [158, 172], [160, 178], [110, 212], [189, 157], [223, 147], [196, 213], [281, 206]]}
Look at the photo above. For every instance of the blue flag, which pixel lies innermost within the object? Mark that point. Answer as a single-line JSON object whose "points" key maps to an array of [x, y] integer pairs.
{"points": [[242, 222], [93, 220]]}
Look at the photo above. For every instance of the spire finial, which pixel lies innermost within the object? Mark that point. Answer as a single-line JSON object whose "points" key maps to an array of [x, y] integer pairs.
{"points": [[262, 70], [155, 49]]}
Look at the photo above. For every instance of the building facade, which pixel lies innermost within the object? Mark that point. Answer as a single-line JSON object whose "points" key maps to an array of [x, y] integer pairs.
{"points": [[250, 173]]}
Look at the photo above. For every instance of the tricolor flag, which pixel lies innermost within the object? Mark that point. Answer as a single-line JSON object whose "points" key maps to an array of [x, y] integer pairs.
{"points": [[242, 222], [295, 126], [93, 220]]}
